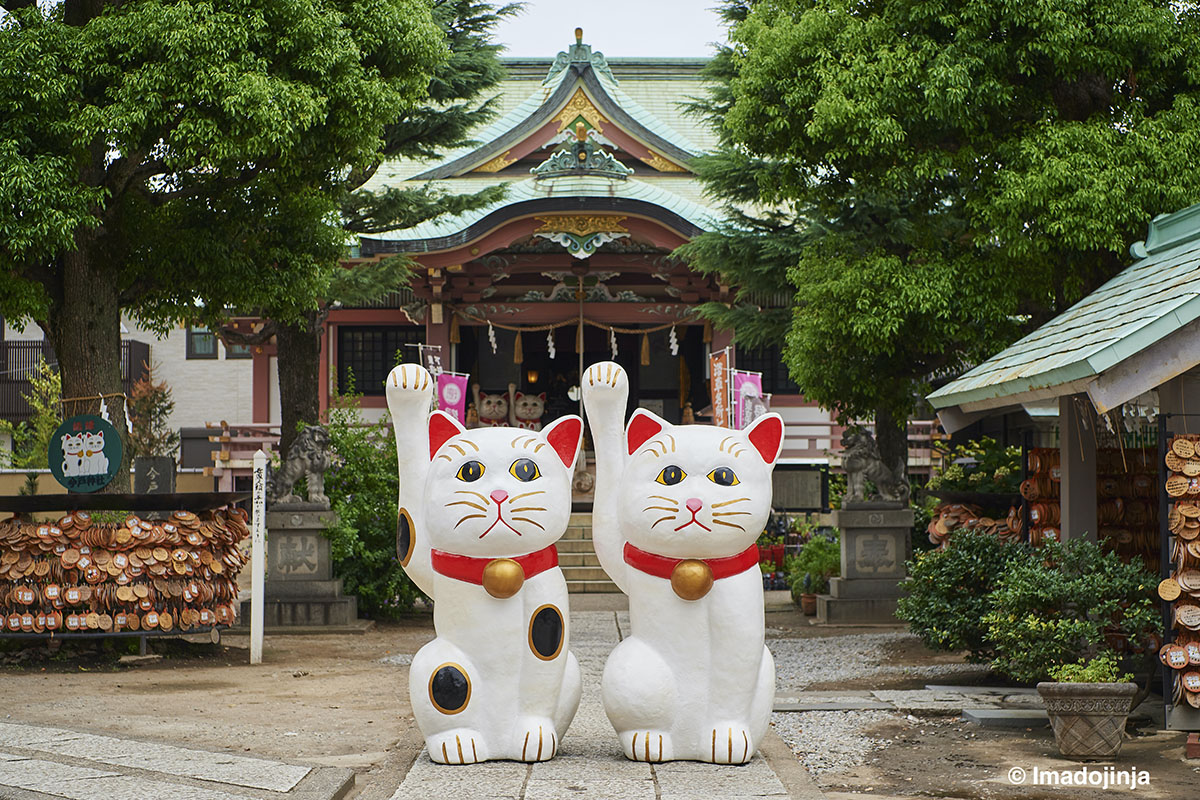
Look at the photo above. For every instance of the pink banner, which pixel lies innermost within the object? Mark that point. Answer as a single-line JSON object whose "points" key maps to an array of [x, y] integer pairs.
{"points": [[452, 394], [748, 401]]}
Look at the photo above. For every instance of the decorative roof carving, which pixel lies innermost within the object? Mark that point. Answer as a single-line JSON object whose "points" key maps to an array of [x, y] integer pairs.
{"points": [[579, 53], [581, 235], [581, 156], [498, 163], [580, 106], [661, 164]]}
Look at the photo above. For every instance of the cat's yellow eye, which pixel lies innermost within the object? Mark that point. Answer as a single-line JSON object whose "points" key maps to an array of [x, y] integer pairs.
{"points": [[670, 476], [470, 471], [723, 476], [523, 469]]}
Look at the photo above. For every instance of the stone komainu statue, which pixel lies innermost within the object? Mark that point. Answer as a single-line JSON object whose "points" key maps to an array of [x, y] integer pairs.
{"points": [[862, 462], [308, 457]]}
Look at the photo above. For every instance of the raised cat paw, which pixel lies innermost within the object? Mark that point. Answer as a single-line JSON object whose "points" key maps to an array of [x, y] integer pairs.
{"points": [[408, 378], [603, 377], [730, 745], [458, 746], [652, 746], [537, 740]]}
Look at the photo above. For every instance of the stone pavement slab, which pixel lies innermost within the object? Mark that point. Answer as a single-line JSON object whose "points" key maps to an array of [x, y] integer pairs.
{"points": [[590, 764], [46, 762]]}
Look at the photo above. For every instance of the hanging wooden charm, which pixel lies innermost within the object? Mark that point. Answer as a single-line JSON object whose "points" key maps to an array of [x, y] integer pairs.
{"points": [[518, 351], [645, 349], [455, 335]]}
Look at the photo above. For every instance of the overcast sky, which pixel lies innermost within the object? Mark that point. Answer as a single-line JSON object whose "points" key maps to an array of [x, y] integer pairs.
{"points": [[614, 27]]}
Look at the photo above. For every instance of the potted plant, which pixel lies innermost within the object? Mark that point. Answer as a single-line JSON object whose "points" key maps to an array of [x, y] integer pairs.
{"points": [[1088, 703], [153, 439], [820, 559]]}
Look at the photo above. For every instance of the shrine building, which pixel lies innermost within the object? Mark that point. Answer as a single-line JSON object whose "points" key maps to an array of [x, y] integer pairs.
{"points": [[573, 265]]}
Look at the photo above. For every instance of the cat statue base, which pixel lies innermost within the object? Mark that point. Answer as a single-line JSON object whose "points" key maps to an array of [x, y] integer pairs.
{"points": [[678, 510], [480, 511]]}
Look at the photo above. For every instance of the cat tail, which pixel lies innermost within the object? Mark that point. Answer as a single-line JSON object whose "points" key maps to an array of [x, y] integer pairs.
{"points": [[409, 390], [605, 395]]}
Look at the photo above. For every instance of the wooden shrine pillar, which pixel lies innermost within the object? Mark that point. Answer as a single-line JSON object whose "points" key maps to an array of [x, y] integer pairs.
{"points": [[1077, 461]]}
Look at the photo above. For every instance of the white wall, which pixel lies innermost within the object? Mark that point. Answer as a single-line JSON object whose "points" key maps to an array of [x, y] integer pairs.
{"points": [[204, 390]]}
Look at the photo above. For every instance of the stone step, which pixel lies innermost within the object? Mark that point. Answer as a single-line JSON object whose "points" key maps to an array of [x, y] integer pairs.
{"points": [[592, 587], [584, 574], [576, 532], [574, 546], [581, 520], [588, 559]]}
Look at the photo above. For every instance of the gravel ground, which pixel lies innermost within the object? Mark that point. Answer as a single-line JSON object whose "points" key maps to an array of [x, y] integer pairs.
{"points": [[804, 662], [830, 741]]}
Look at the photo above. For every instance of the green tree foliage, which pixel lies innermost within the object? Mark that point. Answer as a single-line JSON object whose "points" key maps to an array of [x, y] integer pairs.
{"points": [[931, 179], [948, 592], [362, 489], [456, 104], [156, 152], [31, 438]]}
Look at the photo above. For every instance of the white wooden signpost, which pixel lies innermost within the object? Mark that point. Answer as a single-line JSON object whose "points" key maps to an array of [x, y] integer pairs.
{"points": [[257, 554]]}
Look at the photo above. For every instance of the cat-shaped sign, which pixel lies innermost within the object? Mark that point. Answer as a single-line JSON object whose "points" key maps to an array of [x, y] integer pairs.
{"points": [[677, 512], [480, 511]]}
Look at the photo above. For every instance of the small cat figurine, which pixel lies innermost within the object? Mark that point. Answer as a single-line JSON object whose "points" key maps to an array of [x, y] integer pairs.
{"points": [[480, 511], [525, 410], [73, 448], [492, 408], [94, 453], [677, 512]]}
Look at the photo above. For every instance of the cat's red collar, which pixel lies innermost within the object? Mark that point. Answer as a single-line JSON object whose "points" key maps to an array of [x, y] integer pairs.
{"points": [[473, 569], [664, 566]]}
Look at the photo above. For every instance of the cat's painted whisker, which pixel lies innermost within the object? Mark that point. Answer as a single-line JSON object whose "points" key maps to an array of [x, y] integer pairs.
{"points": [[467, 503], [727, 524], [730, 502], [527, 508], [517, 497], [662, 519], [667, 499], [729, 513], [526, 519], [470, 516], [659, 508], [480, 495]]}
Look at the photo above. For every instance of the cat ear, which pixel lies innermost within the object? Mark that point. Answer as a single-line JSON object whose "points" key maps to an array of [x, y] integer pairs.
{"points": [[519, 395], [766, 434], [442, 427], [565, 435], [642, 425], [542, 396]]}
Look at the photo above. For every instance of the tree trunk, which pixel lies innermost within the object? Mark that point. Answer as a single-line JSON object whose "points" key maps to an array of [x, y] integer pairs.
{"points": [[85, 330], [298, 349], [891, 434]]}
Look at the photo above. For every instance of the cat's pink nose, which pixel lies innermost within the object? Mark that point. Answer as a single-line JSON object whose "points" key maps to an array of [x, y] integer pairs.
{"points": [[499, 495], [694, 504]]}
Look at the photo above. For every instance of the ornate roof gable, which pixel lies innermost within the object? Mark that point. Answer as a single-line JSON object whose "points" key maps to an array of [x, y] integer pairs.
{"points": [[578, 87]]}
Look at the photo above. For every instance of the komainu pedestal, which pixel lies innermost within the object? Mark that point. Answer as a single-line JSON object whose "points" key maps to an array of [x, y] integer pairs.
{"points": [[876, 541], [300, 588]]}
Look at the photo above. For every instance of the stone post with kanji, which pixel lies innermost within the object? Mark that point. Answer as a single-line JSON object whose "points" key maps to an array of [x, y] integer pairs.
{"points": [[876, 543]]}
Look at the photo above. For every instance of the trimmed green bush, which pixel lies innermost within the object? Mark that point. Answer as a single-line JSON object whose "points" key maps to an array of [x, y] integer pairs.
{"points": [[948, 590], [1101, 669], [819, 560], [362, 490], [1056, 607]]}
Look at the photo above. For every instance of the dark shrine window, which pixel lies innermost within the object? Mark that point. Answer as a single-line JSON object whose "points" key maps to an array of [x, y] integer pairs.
{"points": [[201, 343], [768, 361], [238, 351], [368, 352]]}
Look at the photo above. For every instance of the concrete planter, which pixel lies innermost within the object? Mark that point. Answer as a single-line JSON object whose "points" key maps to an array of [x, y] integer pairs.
{"points": [[1088, 718]]}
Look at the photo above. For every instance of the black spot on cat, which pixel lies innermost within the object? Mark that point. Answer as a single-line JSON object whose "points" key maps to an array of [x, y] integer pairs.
{"points": [[546, 632], [449, 689], [406, 539]]}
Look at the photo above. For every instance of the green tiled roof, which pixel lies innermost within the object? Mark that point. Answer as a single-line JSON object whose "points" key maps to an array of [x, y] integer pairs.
{"points": [[1142, 305], [572, 186]]}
